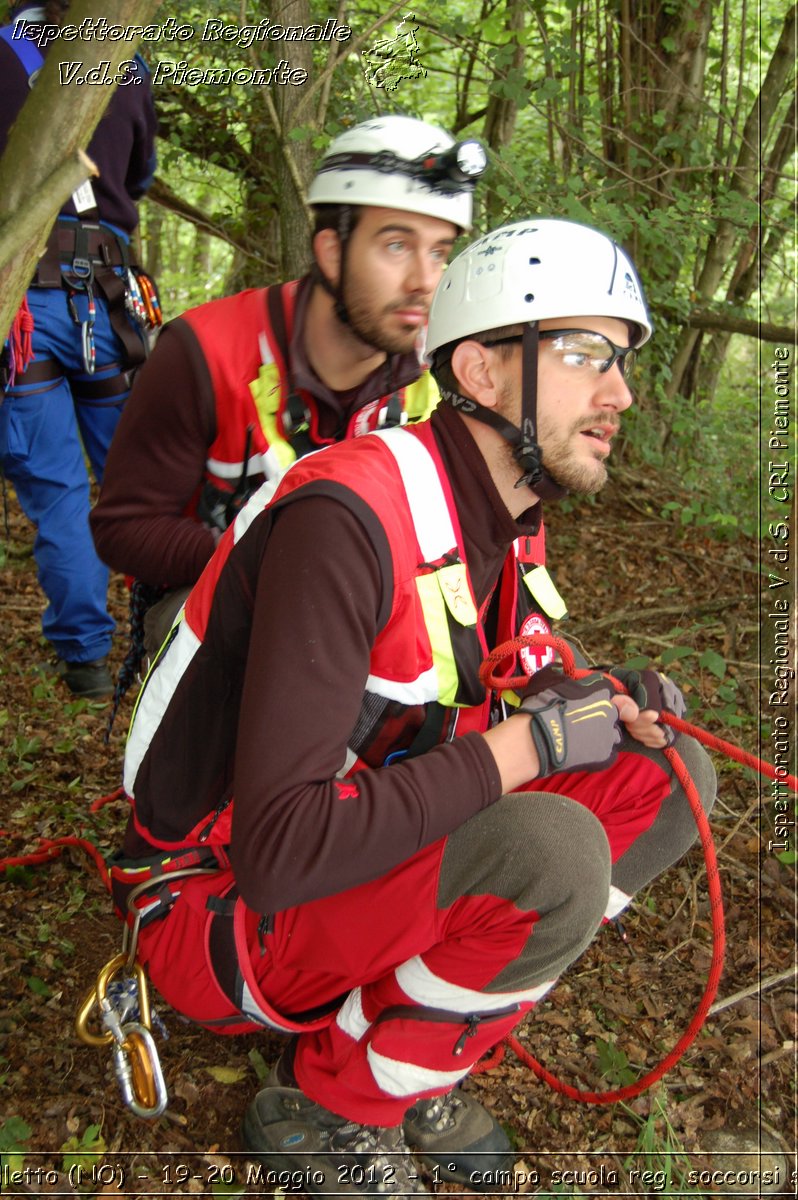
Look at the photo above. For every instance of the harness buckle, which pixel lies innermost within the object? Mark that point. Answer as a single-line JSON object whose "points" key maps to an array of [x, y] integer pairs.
{"points": [[82, 267]]}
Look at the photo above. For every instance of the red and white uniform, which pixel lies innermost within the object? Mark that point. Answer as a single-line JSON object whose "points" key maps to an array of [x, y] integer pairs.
{"points": [[402, 915]]}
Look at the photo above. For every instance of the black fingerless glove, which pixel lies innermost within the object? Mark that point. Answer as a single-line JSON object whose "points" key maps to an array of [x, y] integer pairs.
{"points": [[653, 691], [574, 724]]}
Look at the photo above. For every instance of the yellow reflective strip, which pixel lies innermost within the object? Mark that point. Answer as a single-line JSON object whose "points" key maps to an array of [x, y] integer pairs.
{"points": [[541, 587], [453, 582], [421, 397], [265, 392], [434, 608]]}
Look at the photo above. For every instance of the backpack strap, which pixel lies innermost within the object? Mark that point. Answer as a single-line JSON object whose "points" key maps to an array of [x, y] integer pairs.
{"points": [[27, 52]]}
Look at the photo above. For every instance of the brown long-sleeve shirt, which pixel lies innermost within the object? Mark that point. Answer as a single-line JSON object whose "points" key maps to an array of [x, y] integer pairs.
{"points": [[156, 463], [270, 712]]}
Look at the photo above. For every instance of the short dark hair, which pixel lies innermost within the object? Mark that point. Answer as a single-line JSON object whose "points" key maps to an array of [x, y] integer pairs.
{"points": [[334, 216], [441, 366]]}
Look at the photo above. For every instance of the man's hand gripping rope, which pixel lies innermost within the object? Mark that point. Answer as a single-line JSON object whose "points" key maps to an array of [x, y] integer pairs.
{"points": [[561, 704]]}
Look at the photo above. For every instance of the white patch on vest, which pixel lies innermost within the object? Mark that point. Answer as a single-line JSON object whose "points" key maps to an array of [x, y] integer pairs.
{"points": [[420, 984], [423, 690], [534, 657], [156, 698], [408, 1079], [425, 498], [265, 463], [351, 1019], [617, 902]]}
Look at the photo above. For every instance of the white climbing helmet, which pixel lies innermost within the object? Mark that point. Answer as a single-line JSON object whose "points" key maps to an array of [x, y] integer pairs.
{"points": [[403, 163], [533, 270]]}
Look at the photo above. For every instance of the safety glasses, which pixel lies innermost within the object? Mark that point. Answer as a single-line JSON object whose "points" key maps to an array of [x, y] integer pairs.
{"points": [[584, 348]]}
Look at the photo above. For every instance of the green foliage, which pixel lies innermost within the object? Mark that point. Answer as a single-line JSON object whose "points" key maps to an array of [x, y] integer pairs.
{"points": [[658, 163], [659, 1152], [84, 1152], [614, 1064], [14, 1134]]}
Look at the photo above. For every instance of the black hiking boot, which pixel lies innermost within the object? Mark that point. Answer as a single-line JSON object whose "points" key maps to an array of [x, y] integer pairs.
{"points": [[91, 680], [307, 1148], [452, 1133], [459, 1138]]}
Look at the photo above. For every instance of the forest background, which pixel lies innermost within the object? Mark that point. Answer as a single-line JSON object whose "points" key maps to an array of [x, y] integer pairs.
{"points": [[672, 125]]}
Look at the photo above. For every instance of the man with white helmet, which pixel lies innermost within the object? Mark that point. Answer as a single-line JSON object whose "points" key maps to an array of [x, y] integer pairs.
{"points": [[238, 388], [400, 862]]}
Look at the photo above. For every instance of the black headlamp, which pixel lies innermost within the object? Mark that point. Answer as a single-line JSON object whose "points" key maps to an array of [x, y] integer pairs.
{"points": [[461, 164], [455, 169]]}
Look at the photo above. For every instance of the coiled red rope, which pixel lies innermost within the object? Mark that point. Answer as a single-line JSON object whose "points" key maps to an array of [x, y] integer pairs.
{"points": [[490, 676]]}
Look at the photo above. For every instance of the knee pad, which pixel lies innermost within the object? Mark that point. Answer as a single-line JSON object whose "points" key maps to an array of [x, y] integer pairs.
{"points": [[546, 854]]}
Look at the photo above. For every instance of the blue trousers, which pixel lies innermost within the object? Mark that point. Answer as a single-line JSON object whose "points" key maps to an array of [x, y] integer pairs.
{"points": [[47, 431]]}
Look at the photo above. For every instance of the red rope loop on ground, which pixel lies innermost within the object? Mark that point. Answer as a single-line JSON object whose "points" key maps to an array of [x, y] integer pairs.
{"points": [[54, 848], [490, 674]]}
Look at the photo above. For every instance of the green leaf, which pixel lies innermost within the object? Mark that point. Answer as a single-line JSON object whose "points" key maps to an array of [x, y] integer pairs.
{"points": [[13, 1133], [713, 662], [675, 652], [639, 663], [227, 1075], [788, 857], [38, 986], [259, 1065]]}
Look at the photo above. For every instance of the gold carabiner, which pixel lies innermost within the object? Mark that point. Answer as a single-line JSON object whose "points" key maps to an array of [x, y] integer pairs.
{"points": [[98, 995]]}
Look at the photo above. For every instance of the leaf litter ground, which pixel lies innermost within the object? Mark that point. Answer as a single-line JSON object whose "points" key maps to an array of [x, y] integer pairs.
{"points": [[636, 585]]}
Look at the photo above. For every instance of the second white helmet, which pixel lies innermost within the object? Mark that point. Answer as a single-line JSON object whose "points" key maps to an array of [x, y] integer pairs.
{"points": [[403, 163]]}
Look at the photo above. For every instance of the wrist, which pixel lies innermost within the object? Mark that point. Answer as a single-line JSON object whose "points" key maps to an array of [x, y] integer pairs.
{"points": [[513, 751]]}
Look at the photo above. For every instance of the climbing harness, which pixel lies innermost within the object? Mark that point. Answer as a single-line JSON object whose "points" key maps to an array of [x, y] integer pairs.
{"points": [[121, 997]]}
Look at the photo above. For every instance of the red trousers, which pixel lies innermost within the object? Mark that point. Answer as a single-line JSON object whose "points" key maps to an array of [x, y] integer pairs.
{"points": [[423, 970]]}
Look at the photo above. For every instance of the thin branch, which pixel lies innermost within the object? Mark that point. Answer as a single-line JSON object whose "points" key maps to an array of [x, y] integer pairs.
{"points": [[761, 986], [162, 194]]}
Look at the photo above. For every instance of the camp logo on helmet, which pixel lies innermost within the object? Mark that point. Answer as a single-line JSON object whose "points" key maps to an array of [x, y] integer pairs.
{"points": [[630, 287]]}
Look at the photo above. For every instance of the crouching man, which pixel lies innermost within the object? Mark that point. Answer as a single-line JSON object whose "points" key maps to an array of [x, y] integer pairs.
{"points": [[402, 864]]}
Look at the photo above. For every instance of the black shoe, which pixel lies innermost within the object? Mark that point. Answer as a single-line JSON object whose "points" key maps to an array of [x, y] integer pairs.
{"points": [[462, 1141], [307, 1148], [452, 1133], [91, 680]]}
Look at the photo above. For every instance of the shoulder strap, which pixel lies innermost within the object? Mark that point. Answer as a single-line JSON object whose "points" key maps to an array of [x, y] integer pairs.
{"points": [[28, 53], [425, 495]]}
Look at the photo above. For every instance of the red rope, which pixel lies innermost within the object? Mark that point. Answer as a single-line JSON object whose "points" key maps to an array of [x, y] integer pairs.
{"points": [[53, 848], [490, 676]]}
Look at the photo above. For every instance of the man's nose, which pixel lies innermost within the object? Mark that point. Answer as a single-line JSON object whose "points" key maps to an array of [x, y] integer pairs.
{"points": [[423, 274], [613, 390]]}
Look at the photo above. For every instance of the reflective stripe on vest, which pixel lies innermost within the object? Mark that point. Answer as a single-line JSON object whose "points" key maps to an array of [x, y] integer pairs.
{"points": [[446, 588]]}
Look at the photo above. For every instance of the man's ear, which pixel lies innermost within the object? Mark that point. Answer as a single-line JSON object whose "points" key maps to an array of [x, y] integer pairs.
{"points": [[327, 253], [473, 366]]}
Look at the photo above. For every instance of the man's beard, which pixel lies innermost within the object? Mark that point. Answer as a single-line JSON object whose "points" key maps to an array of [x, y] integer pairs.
{"points": [[559, 459], [365, 322], [562, 465]]}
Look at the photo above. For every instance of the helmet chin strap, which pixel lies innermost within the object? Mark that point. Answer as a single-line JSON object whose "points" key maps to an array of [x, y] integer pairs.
{"points": [[523, 441]]}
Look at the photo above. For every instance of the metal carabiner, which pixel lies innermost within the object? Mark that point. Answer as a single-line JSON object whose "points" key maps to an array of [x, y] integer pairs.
{"points": [[138, 1070], [98, 996]]}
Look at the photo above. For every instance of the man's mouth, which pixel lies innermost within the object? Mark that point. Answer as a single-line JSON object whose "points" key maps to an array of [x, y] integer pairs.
{"points": [[411, 316], [600, 435]]}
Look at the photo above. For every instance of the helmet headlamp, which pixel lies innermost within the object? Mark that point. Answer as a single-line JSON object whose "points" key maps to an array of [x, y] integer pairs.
{"points": [[455, 169]]}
